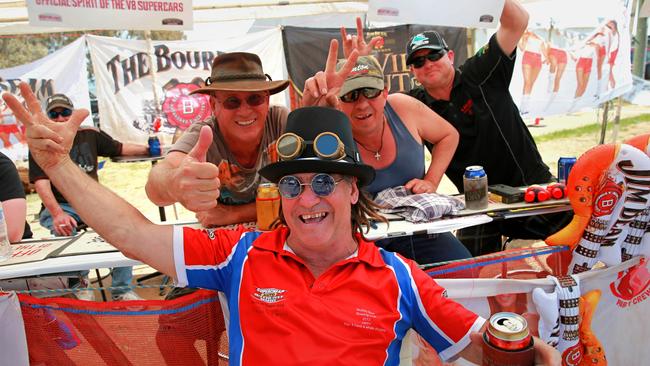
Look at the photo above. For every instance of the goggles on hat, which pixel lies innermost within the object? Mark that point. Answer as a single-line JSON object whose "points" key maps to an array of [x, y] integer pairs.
{"points": [[252, 100], [326, 145], [419, 61], [353, 96], [321, 184], [65, 112]]}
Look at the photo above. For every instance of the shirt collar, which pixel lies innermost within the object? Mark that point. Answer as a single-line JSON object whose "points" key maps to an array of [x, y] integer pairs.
{"points": [[275, 241]]}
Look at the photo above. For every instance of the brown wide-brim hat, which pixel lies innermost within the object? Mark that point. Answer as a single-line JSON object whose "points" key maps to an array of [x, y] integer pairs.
{"points": [[240, 71]]}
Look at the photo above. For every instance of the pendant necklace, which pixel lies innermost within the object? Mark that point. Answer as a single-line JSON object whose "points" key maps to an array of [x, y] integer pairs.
{"points": [[377, 153]]}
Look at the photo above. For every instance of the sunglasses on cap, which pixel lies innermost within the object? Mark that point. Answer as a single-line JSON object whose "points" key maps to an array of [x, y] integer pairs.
{"points": [[65, 112], [252, 100], [353, 96], [321, 184], [326, 145], [419, 61]]}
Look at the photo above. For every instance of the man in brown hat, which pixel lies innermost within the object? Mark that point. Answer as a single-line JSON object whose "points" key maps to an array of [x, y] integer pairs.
{"points": [[223, 161]]}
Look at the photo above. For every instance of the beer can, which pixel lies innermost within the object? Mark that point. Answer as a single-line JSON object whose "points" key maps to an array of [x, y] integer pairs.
{"points": [[475, 185], [154, 145], [564, 166], [507, 341], [267, 204]]}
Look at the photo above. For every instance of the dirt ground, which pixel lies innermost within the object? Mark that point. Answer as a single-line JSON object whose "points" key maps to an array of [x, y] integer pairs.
{"points": [[128, 180]]}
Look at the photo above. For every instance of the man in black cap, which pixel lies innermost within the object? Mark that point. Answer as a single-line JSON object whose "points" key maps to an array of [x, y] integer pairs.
{"points": [[475, 99], [56, 213], [315, 287], [243, 124]]}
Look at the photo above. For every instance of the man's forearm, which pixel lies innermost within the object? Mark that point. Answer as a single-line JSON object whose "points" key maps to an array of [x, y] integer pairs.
{"points": [[114, 219], [134, 149], [44, 190], [159, 183], [441, 156]]}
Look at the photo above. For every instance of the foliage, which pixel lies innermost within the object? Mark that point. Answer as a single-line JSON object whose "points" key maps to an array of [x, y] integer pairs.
{"points": [[22, 49], [589, 129]]}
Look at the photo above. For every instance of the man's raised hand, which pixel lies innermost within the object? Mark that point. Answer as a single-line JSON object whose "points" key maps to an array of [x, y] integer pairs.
{"points": [[49, 142], [196, 182], [358, 42], [322, 88]]}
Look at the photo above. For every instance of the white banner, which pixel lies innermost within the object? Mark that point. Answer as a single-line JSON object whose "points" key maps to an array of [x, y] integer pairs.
{"points": [[63, 71], [128, 101], [111, 14], [458, 13], [560, 70]]}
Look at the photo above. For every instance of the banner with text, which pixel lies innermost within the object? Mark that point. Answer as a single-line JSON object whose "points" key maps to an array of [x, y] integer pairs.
{"points": [[306, 51], [458, 13], [112, 14], [63, 71], [137, 92]]}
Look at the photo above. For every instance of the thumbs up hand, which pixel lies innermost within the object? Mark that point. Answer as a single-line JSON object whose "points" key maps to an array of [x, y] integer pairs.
{"points": [[195, 181]]}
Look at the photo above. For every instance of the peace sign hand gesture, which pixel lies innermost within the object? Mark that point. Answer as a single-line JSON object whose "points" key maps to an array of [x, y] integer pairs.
{"points": [[49, 142], [322, 88], [358, 42]]}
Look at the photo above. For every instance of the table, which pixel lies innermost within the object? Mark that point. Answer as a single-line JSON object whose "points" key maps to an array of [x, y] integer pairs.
{"points": [[396, 227]]}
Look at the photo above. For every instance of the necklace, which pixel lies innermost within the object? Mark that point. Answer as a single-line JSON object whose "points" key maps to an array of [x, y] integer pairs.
{"points": [[381, 142]]}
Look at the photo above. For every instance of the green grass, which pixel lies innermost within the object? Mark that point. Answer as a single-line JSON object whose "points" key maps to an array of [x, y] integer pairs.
{"points": [[590, 129]]}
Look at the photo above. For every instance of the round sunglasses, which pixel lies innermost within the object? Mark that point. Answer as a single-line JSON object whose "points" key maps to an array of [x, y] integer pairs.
{"points": [[419, 61], [65, 112], [326, 145], [321, 184], [252, 100], [353, 96]]}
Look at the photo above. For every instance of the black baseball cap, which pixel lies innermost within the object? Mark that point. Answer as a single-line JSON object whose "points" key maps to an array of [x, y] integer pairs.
{"points": [[426, 40]]}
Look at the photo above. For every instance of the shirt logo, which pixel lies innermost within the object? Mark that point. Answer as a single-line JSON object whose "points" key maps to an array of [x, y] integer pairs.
{"points": [[269, 295]]}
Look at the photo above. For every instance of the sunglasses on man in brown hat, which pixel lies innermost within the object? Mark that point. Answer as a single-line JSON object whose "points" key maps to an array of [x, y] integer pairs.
{"points": [[240, 71]]}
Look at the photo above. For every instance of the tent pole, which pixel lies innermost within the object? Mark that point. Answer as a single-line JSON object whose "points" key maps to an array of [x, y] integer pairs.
{"points": [[603, 127], [154, 78], [617, 118]]}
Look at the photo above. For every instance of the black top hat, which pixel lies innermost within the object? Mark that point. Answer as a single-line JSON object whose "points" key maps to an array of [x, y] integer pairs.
{"points": [[308, 123]]}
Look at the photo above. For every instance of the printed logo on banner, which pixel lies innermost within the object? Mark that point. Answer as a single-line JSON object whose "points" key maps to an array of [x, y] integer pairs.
{"points": [[609, 195], [572, 355], [632, 285], [182, 109]]}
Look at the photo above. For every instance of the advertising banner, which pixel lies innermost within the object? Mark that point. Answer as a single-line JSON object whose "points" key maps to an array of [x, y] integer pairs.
{"points": [[562, 70], [63, 71], [138, 94], [111, 14], [458, 13], [306, 51]]}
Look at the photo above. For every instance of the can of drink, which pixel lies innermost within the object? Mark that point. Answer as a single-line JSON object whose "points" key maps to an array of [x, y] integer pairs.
{"points": [[475, 184], [267, 204], [154, 146], [507, 341], [564, 166]]}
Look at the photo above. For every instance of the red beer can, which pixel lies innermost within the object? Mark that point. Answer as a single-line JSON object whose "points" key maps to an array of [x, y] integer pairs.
{"points": [[507, 341]]}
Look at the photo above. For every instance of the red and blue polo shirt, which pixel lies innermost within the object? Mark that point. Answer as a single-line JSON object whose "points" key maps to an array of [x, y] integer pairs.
{"points": [[356, 312]]}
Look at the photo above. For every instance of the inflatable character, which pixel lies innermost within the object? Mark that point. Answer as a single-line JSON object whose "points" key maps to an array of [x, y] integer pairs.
{"points": [[608, 187]]}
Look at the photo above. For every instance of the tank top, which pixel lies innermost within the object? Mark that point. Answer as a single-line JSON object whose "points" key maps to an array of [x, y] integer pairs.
{"points": [[409, 159]]}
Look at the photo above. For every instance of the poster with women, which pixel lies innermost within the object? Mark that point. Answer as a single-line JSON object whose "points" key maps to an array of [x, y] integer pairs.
{"points": [[567, 64]]}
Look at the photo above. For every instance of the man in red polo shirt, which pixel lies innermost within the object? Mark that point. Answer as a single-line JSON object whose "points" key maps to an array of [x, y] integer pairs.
{"points": [[311, 292]]}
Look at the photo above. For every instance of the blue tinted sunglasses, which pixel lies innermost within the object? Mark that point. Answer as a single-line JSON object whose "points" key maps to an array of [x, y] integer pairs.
{"points": [[65, 112], [321, 184]]}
